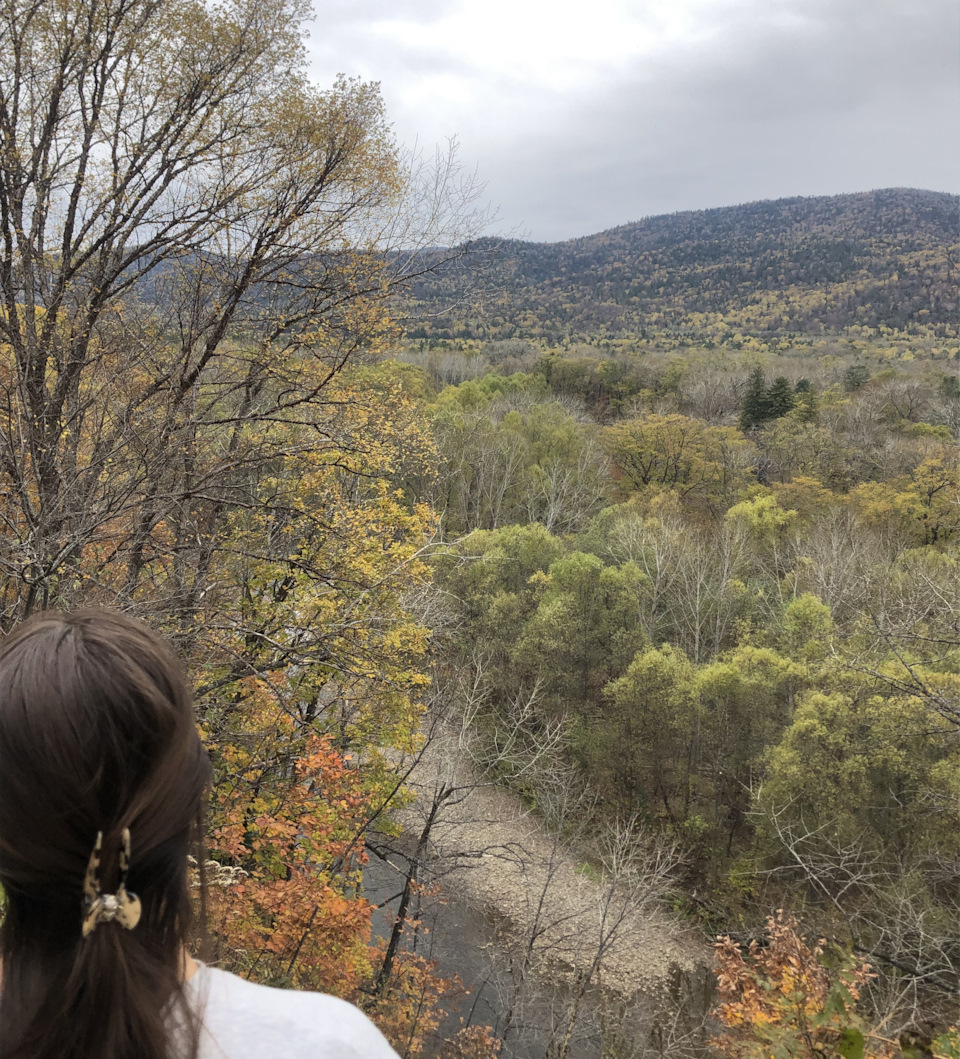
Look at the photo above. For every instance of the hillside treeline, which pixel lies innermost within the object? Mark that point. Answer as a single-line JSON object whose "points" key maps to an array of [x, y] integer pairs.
{"points": [[806, 265]]}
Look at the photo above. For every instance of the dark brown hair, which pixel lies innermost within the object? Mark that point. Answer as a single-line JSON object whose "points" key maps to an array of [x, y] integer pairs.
{"points": [[97, 733]]}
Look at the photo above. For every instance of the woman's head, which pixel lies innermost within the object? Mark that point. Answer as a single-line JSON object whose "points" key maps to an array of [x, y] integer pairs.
{"points": [[97, 734]]}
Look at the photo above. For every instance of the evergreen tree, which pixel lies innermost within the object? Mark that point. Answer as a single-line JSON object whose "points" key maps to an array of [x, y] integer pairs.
{"points": [[855, 376], [755, 407], [780, 398]]}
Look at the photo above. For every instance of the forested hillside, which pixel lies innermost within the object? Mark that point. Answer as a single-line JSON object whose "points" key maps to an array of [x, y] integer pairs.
{"points": [[878, 259]]}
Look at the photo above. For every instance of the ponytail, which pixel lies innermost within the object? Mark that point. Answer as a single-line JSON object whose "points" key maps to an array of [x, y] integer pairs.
{"points": [[97, 734], [97, 999]]}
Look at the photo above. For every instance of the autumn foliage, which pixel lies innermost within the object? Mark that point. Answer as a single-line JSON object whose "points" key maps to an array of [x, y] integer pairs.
{"points": [[179, 437], [786, 997]]}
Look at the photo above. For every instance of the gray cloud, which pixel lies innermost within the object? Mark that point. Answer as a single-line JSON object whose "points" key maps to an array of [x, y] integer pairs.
{"points": [[796, 98]]}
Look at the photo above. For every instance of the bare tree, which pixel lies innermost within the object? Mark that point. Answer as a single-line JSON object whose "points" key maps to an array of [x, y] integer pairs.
{"points": [[885, 911], [713, 392], [454, 762], [562, 495]]}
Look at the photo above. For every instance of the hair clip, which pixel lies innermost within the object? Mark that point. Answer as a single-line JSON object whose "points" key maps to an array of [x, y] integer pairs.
{"points": [[122, 906]]}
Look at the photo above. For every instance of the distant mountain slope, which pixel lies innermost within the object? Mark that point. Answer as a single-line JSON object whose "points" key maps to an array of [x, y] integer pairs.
{"points": [[879, 258]]}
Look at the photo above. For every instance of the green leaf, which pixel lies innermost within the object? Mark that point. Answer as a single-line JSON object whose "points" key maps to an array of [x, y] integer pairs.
{"points": [[851, 1044], [835, 1004], [948, 1046]]}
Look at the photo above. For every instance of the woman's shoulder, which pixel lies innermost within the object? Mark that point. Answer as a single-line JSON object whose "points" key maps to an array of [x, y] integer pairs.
{"points": [[244, 1020]]}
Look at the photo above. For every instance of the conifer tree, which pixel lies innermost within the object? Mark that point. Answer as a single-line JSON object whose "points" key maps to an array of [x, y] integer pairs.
{"points": [[755, 407], [856, 376], [780, 398]]}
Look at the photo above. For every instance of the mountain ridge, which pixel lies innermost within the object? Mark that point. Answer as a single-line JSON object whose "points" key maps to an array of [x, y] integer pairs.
{"points": [[786, 200], [883, 258]]}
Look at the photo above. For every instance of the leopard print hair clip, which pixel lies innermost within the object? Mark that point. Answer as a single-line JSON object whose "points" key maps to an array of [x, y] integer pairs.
{"points": [[123, 907]]}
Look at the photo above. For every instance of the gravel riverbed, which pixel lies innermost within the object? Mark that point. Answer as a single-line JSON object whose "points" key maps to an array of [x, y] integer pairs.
{"points": [[524, 915]]}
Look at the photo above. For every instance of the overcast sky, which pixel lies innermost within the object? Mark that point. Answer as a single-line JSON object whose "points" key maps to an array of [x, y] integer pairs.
{"points": [[584, 115]]}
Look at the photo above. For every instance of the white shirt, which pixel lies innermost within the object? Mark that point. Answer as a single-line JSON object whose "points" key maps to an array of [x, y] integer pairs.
{"points": [[242, 1020]]}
